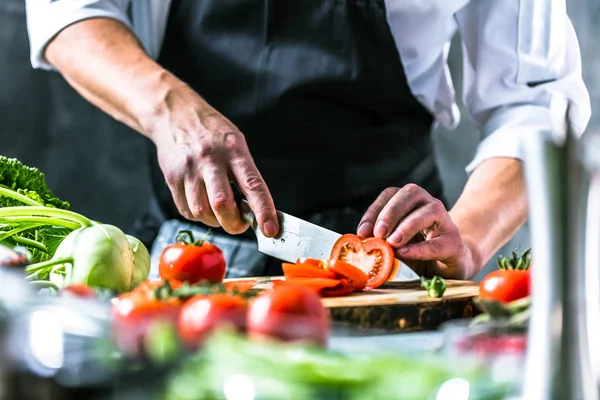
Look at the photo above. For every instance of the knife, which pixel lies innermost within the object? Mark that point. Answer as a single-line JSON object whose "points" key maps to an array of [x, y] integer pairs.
{"points": [[300, 239]]}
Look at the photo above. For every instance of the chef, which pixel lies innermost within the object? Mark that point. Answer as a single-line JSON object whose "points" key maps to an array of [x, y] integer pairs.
{"points": [[322, 109]]}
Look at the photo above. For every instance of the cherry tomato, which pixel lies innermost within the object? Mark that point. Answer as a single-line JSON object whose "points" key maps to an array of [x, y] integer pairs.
{"points": [[78, 290], [289, 312], [201, 315], [505, 285], [133, 313], [374, 256], [192, 261]]}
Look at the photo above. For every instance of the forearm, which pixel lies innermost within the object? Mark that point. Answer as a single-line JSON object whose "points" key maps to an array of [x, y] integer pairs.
{"points": [[105, 63], [491, 208]]}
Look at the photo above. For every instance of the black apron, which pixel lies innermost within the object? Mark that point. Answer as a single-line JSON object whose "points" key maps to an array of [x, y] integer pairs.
{"points": [[319, 91]]}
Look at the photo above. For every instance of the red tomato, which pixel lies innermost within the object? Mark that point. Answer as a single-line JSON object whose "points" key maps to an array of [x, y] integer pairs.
{"points": [[374, 256], [133, 313], [505, 285], [323, 286], [289, 312], [78, 290], [354, 276], [192, 261], [307, 271], [201, 315]]}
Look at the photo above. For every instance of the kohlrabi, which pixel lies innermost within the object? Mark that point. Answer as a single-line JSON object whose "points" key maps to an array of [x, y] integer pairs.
{"points": [[142, 260], [66, 247]]}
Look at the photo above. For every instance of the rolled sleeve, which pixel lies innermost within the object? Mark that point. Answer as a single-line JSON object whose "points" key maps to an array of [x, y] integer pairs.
{"points": [[46, 18], [519, 56]]}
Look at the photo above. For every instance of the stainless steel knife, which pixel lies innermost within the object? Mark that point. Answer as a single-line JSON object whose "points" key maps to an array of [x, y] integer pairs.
{"points": [[298, 239]]}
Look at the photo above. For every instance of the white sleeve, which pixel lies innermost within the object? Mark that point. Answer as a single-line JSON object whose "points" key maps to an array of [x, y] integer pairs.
{"points": [[46, 18], [519, 56]]}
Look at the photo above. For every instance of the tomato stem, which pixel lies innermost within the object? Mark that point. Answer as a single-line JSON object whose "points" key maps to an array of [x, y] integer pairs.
{"points": [[517, 262], [186, 236]]}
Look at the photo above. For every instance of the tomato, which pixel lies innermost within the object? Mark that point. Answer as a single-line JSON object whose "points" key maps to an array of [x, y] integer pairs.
{"points": [[323, 286], [201, 315], [512, 281], [374, 256], [192, 261], [353, 275], [133, 313], [78, 290], [307, 271], [323, 271], [289, 312], [505, 285]]}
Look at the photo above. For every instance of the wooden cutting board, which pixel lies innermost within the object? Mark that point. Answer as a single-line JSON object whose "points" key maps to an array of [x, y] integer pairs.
{"points": [[399, 307]]}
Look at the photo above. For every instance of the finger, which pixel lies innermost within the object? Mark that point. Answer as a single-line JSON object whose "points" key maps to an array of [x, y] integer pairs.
{"points": [[426, 217], [399, 206], [220, 197], [177, 189], [441, 247], [367, 223], [253, 186], [198, 203]]}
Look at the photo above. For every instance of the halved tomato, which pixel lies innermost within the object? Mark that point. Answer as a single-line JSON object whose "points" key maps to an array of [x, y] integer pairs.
{"points": [[374, 256]]}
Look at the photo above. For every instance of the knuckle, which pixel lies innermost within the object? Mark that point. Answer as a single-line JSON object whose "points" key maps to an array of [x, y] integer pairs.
{"points": [[253, 182], [234, 141], [412, 188], [438, 205], [390, 191], [198, 211], [220, 203]]}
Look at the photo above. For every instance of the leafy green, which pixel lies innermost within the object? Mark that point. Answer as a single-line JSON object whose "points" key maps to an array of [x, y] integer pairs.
{"points": [[28, 181]]}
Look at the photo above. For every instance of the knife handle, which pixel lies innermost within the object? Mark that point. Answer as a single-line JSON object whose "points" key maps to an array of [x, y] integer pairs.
{"points": [[245, 211]]}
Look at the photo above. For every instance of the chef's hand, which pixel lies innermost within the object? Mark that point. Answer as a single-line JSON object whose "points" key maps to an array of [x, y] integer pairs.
{"points": [[199, 151], [420, 230]]}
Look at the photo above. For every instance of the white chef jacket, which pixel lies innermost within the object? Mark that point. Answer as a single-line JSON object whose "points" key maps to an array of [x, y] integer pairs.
{"points": [[518, 57]]}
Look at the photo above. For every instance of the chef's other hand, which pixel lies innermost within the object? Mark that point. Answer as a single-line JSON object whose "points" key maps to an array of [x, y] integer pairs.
{"points": [[420, 230], [199, 151]]}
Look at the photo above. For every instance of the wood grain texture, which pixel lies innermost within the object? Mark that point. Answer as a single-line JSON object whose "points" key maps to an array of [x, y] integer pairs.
{"points": [[399, 307]]}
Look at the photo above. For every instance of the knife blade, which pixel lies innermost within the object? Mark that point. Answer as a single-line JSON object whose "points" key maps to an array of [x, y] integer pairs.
{"points": [[301, 239]]}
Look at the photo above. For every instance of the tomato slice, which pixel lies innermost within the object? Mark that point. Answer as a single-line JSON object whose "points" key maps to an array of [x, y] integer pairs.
{"points": [[374, 256], [351, 274], [307, 271], [322, 286], [343, 288], [241, 286], [312, 261]]}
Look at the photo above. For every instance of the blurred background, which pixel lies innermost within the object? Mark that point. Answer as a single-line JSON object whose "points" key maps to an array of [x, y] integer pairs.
{"points": [[99, 165]]}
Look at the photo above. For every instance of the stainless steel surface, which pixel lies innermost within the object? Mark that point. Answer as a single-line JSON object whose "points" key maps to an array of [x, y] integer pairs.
{"points": [[298, 238], [559, 364]]}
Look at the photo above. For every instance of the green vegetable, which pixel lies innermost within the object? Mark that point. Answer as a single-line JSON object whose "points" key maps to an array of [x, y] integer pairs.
{"points": [[514, 315], [275, 370], [142, 261], [97, 255], [27, 181], [435, 287], [62, 243]]}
